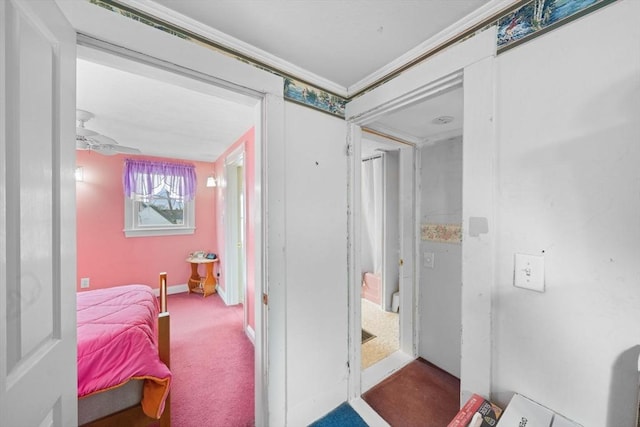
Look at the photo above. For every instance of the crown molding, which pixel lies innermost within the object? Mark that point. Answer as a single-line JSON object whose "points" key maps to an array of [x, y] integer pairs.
{"points": [[494, 8], [229, 43]]}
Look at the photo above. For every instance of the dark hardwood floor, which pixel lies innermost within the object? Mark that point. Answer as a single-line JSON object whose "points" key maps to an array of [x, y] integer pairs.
{"points": [[418, 395]]}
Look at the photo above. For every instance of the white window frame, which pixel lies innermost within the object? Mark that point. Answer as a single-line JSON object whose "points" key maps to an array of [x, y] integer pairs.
{"points": [[133, 229]]}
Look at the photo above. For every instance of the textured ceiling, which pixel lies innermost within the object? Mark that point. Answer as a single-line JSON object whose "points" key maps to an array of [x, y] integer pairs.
{"points": [[342, 41], [164, 116]]}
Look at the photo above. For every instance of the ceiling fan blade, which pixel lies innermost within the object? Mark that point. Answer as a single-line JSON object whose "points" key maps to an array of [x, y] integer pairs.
{"points": [[110, 150], [106, 150], [101, 139], [126, 150], [81, 144], [86, 139]]}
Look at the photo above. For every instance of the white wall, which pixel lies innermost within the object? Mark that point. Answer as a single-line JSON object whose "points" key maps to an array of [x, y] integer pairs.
{"points": [[316, 263], [440, 287], [568, 184]]}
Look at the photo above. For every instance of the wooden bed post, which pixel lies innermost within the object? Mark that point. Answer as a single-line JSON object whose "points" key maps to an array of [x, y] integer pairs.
{"points": [[164, 348]]}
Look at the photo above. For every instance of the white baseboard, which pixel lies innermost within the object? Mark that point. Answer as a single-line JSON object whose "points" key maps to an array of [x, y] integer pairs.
{"points": [[367, 413], [174, 289], [222, 294], [251, 334]]}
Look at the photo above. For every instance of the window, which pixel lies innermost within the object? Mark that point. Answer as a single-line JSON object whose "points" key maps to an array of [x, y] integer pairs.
{"points": [[159, 198]]}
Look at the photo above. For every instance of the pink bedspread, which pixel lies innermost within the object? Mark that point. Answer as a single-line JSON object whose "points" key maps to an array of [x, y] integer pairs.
{"points": [[117, 341]]}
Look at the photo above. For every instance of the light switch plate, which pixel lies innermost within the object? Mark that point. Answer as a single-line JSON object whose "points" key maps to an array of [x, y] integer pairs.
{"points": [[529, 272]]}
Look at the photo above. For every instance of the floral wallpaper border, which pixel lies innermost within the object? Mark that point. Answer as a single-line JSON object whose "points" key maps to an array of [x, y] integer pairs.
{"points": [[515, 26], [539, 16], [443, 233]]}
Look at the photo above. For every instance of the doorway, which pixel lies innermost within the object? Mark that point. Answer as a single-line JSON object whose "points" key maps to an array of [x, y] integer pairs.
{"points": [[235, 225], [252, 107], [467, 65], [435, 125], [380, 249]]}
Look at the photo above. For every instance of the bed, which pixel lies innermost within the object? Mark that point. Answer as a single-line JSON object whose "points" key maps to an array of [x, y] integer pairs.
{"points": [[123, 356]]}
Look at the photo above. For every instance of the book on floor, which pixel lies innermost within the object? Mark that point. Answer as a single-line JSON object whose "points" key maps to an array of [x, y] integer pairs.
{"points": [[477, 412]]}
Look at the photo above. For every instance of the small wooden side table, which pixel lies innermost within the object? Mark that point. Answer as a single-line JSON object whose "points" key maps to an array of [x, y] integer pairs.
{"points": [[202, 285]]}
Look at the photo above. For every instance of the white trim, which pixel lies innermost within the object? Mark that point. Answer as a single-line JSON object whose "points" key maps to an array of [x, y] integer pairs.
{"points": [[173, 289], [398, 96], [271, 264], [407, 176], [220, 290], [236, 156], [354, 265], [471, 61], [367, 413], [478, 252], [442, 37], [147, 232], [232, 189], [116, 33], [395, 133], [235, 44], [251, 334], [361, 380], [441, 70]]}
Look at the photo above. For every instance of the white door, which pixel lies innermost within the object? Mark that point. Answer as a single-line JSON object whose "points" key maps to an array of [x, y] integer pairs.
{"points": [[37, 220]]}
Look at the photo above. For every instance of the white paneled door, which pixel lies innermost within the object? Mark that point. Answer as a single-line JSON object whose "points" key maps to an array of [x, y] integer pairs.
{"points": [[37, 219]]}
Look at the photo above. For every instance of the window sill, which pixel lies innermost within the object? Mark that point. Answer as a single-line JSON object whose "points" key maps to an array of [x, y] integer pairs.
{"points": [[149, 232]]}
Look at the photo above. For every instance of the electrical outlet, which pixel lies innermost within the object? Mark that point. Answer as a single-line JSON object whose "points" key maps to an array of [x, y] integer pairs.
{"points": [[428, 259], [84, 282]]}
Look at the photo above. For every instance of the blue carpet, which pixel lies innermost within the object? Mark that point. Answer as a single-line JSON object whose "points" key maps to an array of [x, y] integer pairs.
{"points": [[342, 416]]}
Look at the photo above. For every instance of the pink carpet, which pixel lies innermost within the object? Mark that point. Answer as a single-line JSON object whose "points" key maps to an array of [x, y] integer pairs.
{"points": [[212, 364]]}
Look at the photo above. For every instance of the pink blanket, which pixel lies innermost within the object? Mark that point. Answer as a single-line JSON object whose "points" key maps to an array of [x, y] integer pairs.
{"points": [[117, 341]]}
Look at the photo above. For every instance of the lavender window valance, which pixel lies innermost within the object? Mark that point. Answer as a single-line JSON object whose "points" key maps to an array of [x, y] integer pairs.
{"points": [[144, 178]]}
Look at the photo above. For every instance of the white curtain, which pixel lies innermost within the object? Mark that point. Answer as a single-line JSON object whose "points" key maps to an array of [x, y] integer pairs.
{"points": [[371, 255]]}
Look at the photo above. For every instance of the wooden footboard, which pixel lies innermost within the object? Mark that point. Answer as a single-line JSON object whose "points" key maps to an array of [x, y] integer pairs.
{"points": [[164, 340], [134, 416]]}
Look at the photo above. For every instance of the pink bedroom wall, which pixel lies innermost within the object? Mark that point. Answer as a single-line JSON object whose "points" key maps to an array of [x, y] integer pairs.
{"points": [[248, 139], [109, 258]]}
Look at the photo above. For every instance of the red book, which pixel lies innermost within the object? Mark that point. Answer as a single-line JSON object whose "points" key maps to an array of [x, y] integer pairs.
{"points": [[488, 413]]}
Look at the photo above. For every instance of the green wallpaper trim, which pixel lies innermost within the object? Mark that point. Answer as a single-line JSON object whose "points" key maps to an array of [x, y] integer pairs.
{"points": [[294, 89], [517, 24]]}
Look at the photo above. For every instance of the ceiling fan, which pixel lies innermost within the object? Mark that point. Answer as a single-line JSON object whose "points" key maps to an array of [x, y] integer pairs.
{"points": [[87, 139]]}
